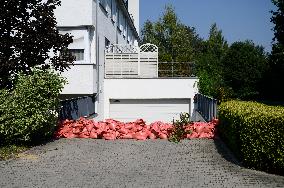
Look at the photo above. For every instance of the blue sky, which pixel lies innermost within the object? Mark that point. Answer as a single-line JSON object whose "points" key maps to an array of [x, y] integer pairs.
{"points": [[238, 19]]}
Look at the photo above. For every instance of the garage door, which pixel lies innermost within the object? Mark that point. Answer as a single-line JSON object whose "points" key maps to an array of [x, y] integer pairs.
{"points": [[148, 109]]}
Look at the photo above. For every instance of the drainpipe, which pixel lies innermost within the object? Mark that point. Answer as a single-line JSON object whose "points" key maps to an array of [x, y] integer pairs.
{"points": [[97, 48], [97, 54]]}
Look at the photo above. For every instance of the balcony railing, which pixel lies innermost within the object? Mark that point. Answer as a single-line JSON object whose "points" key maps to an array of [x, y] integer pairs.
{"points": [[176, 69]]}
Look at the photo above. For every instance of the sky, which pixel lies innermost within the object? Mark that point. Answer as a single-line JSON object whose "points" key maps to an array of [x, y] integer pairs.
{"points": [[239, 20]]}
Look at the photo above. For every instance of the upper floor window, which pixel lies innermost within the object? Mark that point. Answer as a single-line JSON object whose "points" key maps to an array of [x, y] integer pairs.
{"points": [[107, 42], [113, 10], [124, 26], [104, 3], [119, 19], [78, 54]]}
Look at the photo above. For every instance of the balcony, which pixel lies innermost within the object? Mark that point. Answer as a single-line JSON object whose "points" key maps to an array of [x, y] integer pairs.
{"points": [[125, 61]]}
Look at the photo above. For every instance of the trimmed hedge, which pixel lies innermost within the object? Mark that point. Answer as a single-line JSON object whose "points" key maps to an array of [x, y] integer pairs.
{"points": [[28, 112], [255, 133]]}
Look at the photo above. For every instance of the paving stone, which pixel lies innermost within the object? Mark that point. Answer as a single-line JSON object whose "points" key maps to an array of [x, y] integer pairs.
{"points": [[129, 163]]}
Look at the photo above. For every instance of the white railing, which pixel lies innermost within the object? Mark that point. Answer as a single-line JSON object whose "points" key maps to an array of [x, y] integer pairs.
{"points": [[126, 61]]}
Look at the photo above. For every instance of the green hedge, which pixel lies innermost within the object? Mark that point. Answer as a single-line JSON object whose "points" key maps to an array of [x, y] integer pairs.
{"points": [[28, 112], [255, 132]]}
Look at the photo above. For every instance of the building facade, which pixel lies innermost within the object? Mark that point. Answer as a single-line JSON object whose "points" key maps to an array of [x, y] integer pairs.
{"points": [[121, 77], [94, 24]]}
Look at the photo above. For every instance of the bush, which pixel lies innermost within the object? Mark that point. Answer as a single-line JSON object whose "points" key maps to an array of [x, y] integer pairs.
{"points": [[255, 132], [28, 113]]}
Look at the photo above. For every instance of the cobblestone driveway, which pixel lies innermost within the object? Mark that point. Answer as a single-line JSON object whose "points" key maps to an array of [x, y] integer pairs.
{"points": [[128, 163]]}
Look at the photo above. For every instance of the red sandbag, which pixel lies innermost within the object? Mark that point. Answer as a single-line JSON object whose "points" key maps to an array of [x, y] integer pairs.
{"points": [[96, 125], [84, 130], [199, 129], [82, 135], [192, 135], [203, 135], [99, 131], [112, 126], [76, 130], [93, 135], [89, 126], [128, 125], [102, 126], [140, 136], [71, 135], [163, 136], [155, 127], [127, 136], [109, 136], [152, 136], [123, 130]]}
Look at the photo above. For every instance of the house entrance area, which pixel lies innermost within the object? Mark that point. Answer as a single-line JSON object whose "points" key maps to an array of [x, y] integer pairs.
{"points": [[150, 110]]}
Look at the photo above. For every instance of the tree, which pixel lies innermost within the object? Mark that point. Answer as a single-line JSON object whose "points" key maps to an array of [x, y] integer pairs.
{"points": [[176, 41], [243, 69], [209, 64], [276, 75], [28, 37]]}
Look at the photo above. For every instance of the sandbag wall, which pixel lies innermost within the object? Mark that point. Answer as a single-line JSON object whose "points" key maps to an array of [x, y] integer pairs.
{"points": [[111, 129]]}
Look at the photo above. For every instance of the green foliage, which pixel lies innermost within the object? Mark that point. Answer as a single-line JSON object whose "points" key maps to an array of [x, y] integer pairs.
{"points": [[28, 113], [210, 64], [243, 69], [276, 73], [179, 131], [176, 41], [27, 36], [255, 132]]}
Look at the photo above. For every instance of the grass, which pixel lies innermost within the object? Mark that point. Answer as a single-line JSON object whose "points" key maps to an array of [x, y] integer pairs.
{"points": [[10, 151]]}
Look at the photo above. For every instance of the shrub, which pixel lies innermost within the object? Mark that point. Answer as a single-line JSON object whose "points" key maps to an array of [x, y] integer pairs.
{"points": [[255, 132], [28, 113]]}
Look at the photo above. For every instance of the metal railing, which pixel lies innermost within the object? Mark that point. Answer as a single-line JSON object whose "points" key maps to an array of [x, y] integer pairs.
{"points": [[206, 106], [177, 69], [77, 107]]}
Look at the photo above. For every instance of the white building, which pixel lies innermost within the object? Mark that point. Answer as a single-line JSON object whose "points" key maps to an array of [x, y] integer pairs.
{"points": [[96, 24]]}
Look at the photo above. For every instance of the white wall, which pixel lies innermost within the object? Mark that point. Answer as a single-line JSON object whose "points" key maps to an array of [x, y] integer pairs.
{"points": [[74, 13], [148, 89], [133, 8], [80, 79]]}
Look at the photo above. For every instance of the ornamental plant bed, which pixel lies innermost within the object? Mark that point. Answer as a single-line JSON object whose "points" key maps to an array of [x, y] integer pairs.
{"points": [[112, 129]]}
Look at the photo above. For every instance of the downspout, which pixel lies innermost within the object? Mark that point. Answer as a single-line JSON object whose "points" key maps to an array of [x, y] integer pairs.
{"points": [[97, 51]]}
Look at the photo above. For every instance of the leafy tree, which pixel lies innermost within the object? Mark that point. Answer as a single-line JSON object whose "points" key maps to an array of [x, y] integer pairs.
{"points": [[176, 41], [244, 67], [210, 64], [276, 75], [27, 36]]}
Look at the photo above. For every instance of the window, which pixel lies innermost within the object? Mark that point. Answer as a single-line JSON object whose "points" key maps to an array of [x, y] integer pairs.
{"points": [[113, 10], [103, 3], [119, 20], [128, 34], [124, 26], [78, 53], [107, 42]]}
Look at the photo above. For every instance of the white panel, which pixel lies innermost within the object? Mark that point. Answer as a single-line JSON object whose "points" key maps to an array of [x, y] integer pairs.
{"points": [[74, 13], [148, 109], [80, 80]]}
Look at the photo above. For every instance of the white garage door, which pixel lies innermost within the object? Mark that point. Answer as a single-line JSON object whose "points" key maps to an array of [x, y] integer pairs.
{"points": [[148, 109]]}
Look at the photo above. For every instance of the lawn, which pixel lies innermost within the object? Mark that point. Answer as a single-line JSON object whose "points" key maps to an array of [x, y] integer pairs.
{"points": [[10, 151]]}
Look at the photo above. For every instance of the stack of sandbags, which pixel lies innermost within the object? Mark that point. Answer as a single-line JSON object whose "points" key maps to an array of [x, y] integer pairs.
{"points": [[202, 130], [111, 129]]}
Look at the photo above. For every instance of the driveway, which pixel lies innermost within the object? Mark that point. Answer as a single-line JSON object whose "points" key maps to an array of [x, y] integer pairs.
{"points": [[129, 163]]}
